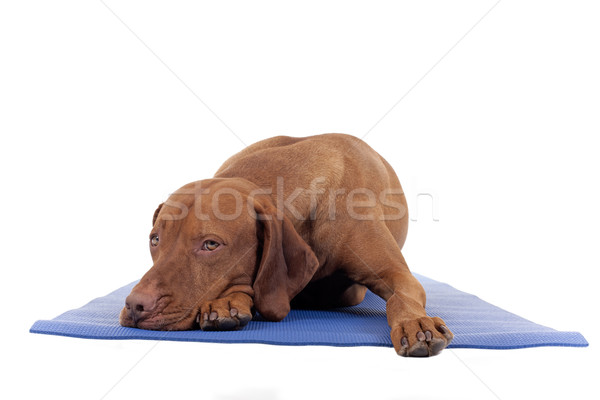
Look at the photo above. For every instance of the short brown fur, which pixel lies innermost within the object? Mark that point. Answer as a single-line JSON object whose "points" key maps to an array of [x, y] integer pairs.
{"points": [[298, 244]]}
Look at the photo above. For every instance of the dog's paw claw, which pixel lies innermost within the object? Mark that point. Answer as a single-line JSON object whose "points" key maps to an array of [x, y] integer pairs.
{"points": [[446, 332], [222, 315], [421, 337], [213, 322]]}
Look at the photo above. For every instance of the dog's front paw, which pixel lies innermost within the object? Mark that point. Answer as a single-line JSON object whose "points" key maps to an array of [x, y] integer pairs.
{"points": [[421, 337], [227, 313]]}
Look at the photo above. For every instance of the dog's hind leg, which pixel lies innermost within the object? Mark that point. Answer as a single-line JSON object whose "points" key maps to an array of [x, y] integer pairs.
{"points": [[336, 290]]}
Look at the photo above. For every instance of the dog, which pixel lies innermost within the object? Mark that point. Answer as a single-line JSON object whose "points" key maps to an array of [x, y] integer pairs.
{"points": [[287, 222]]}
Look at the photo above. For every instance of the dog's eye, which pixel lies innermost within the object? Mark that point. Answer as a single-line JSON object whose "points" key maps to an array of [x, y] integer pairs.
{"points": [[154, 240], [210, 245]]}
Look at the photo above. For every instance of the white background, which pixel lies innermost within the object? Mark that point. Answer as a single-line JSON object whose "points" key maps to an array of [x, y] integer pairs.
{"points": [[500, 126]]}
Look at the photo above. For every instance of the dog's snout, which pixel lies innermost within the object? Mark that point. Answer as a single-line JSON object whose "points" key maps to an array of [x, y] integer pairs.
{"points": [[140, 305]]}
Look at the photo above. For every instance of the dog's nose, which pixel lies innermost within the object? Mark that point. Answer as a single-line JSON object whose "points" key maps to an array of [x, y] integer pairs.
{"points": [[140, 305]]}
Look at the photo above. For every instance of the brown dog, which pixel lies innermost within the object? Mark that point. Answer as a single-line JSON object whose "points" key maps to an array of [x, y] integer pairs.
{"points": [[303, 222]]}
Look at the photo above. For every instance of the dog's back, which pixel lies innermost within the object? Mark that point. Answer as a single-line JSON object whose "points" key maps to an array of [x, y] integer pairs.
{"points": [[315, 177], [325, 164]]}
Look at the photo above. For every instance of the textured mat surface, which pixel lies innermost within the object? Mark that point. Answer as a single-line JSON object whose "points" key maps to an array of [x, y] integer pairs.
{"points": [[475, 324]]}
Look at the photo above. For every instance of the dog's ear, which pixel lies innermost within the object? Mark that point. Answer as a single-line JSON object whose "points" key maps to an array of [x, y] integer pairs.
{"points": [[156, 213], [286, 266]]}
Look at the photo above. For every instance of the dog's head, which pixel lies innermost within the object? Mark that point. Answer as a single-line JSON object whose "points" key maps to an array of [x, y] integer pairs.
{"points": [[216, 236]]}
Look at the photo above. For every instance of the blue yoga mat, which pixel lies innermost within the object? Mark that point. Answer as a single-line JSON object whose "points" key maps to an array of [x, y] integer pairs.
{"points": [[474, 322]]}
